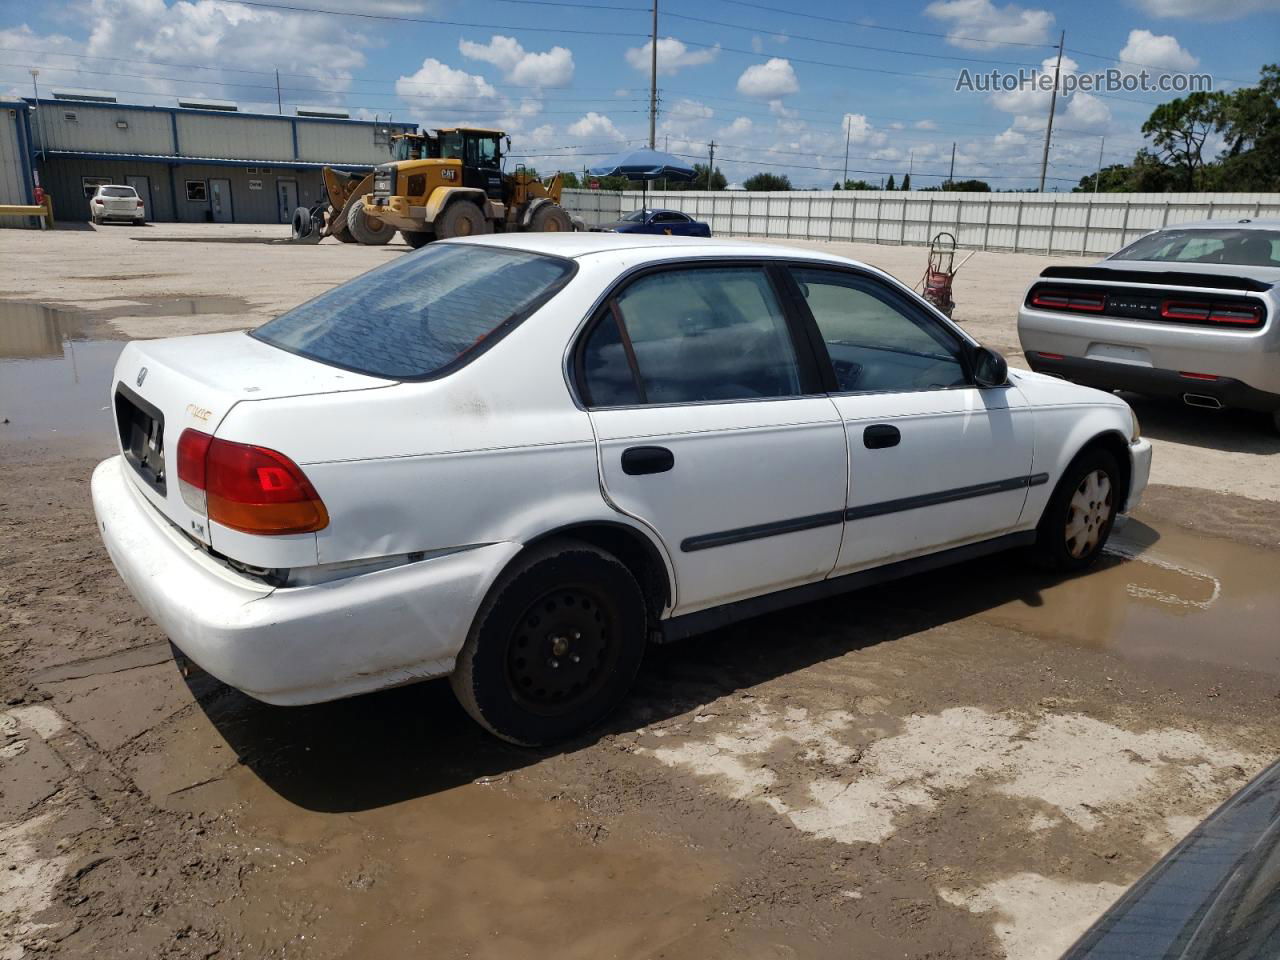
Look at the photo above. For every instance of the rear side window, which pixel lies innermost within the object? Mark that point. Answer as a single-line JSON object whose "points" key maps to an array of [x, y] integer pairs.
{"points": [[692, 335], [422, 314]]}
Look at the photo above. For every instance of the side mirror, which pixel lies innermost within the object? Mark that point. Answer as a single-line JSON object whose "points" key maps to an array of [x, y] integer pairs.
{"points": [[989, 368]]}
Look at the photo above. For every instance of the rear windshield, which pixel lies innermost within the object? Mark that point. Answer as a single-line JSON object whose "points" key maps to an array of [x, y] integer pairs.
{"points": [[421, 314], [1253, 248], [118, 192]]}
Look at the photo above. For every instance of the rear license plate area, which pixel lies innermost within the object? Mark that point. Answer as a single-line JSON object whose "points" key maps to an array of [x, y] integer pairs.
{"points": [[141, 428]]}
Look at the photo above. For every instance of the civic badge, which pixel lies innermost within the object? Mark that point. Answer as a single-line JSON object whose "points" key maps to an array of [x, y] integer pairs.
{"points": [[142, 375]]}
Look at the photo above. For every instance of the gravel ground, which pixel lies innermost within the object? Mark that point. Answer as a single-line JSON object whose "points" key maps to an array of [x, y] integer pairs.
{"points": [[967, 764]]}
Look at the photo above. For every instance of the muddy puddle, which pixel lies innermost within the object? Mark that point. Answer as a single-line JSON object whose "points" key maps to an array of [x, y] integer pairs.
{"points": [[1164, 594], [56, 363]]}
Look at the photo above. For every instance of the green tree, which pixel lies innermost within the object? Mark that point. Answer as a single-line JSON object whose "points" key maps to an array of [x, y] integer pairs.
{"points": [[1250, 126], [906, 181], [889, 185], [571, 181], [967, 186], [858, 185], [1178, 130], [1115, 178], [767, 181], [699, 181]]}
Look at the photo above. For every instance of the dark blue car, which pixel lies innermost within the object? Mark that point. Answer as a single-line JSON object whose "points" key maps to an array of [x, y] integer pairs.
{"points": [[673, 223]]}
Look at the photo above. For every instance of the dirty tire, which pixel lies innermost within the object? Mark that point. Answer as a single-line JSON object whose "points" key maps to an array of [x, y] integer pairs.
{"points": [[462, 218], [1081, 513], [341, 233], [417, 238], [555, 645], [550, 218], [367, 230], [301, 225]]}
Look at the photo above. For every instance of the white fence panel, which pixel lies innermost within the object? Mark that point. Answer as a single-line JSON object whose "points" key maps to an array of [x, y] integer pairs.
{"points": [[1057, 223]]}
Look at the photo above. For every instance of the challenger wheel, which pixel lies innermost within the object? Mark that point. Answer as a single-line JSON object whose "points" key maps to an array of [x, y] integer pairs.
{"points": [[368, 230], [555, 645], [1081, 513]]}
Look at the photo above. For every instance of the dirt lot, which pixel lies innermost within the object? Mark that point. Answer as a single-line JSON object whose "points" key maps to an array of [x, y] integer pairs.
{"points": [[968, 764]]}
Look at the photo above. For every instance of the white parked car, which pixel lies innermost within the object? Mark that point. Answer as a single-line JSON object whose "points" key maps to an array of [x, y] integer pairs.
{"points": [[112, 201], [517, 459]]}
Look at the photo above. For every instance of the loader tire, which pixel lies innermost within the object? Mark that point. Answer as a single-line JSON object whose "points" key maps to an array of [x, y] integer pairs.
{"points": [[417, 238], [366, 229], [461, 219], [550, 218], [340, 232]]}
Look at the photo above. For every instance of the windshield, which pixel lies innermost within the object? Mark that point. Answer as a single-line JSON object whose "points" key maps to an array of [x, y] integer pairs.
{"points": [[451, 146], [1255, 248], [117, 192], [421, 314], [636, 216]]}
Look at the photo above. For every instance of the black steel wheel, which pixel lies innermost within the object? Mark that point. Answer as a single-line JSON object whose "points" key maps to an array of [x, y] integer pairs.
{"points": [[555, 645]]}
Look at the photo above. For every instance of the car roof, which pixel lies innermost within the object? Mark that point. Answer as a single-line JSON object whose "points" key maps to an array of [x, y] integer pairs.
{"points": [[1237, 223], [103, 186], [583, 244]]}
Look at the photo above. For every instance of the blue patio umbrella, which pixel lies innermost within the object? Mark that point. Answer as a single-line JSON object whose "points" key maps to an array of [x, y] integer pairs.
{"points": [[645, 165]]}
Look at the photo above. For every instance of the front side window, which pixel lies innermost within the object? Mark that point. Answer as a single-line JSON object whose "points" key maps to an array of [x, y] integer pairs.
{"points": [[689, 336], [416, 316], [635, 216], [875, 341]]}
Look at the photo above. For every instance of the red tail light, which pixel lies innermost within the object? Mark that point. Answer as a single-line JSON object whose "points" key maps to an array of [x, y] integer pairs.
{"points": [[1069, 300], [1244, 315], [247, 488]]}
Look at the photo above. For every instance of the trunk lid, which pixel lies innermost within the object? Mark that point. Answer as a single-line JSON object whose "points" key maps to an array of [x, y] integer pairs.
{"points": [[163, 387]]}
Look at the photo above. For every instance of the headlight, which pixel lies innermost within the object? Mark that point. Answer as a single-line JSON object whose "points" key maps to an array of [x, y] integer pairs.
{"points": [[1136, 429]]}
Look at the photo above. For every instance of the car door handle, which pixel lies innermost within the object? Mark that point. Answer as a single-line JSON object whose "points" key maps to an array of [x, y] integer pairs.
{"points": [[640, 460], [880, 435]]}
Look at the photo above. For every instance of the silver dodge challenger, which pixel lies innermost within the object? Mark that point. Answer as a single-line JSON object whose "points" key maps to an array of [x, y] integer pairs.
{"points": [[1188, 312]]}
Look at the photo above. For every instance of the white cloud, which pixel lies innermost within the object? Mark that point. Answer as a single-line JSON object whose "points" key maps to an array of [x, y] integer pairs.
{"points": [[860, 131], [438, 92], [1153, 50], [779, 109], [595, 125], [925, 125], [1030, 98], [741, 127], [673, 55], [983, 20], [552, 68], [1087, 113], [775, 78], [1208, 9]]}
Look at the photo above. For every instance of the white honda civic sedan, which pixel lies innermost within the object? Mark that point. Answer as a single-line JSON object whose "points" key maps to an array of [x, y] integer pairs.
{"points": [[518, 459]]}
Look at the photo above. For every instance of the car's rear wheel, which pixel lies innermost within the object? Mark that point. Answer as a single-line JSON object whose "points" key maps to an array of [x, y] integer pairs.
{"points": [[1081, 513], [555, 645]]}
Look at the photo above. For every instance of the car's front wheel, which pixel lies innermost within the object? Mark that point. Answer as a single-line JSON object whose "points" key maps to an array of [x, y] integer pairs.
{"points": [[555, 645], [1081, 513]]}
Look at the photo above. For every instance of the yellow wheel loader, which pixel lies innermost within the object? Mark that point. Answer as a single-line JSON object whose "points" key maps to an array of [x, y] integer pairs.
{"points": [[452, 185]]}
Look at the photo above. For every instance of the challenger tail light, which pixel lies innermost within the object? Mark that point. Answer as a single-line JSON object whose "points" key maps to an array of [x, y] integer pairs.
{"points": [[247, 488], [1236, 314], [1069, 300]]}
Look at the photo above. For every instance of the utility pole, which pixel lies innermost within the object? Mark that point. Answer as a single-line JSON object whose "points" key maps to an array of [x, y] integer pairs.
{"points": [[35, 90], [951, 177], [1102, 142], [1053, 104], [279, 105], [653, 81], [847, 129], [711, 162]]}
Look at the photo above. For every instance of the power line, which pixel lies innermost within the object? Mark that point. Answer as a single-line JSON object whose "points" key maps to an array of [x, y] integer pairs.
{"points": [[856, 46], [874, 26], [1149, 66], [347, 14]]}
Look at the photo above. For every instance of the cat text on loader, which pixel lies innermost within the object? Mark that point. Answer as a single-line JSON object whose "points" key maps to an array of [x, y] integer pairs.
{"points": [[452, 185]]}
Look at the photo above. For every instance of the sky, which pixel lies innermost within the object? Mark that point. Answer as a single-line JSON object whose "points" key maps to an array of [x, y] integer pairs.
{"points": [[779, 85]]}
